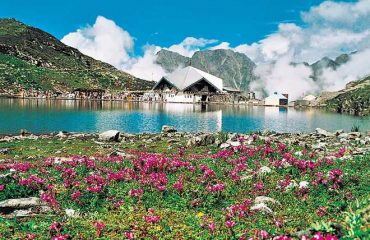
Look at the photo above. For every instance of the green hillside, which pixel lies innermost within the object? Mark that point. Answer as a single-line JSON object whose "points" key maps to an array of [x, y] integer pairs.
{"points": [[32, 58]]}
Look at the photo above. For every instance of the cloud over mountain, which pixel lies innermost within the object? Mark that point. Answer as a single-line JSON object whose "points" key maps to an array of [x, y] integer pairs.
{"points": [[329, 29]]}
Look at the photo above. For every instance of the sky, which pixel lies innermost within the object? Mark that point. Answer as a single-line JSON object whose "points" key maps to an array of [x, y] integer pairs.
{"points": [[163, 22], [128, 34]]}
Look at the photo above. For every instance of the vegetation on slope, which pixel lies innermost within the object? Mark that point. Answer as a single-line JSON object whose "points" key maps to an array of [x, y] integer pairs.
{"points": [[31, 58], [354, 100]]}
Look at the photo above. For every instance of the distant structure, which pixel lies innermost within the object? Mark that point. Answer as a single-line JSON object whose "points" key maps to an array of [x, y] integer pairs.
{"points": [[187, 85], [276, 99], [305, 102]]}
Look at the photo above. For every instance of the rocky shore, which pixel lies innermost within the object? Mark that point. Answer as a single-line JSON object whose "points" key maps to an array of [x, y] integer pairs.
{"points": [[320, 141]]}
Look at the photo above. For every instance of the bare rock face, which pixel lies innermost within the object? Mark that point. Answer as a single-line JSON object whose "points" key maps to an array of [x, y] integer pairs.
{"points": [[111, 135]]}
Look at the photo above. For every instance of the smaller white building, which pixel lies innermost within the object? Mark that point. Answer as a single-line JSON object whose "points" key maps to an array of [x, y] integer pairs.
{"points": [[276, 99]]}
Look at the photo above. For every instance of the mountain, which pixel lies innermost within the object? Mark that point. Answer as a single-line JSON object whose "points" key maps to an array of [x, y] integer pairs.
{"points": [[32, 58], [236, 69], [327, 63], [354, 99]]}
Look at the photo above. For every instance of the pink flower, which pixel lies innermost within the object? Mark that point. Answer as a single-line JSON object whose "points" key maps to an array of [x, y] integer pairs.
{"points": [[56, 227], [212, 227], [264, 234], [129, 235], [259, 186], [152, 219], [99, 227], [219, 187], [61, 237], [135, 192], [2, 186], [230, 223]]}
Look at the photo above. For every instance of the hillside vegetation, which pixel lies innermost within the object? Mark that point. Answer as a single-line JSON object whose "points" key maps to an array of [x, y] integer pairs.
{"points": [[32, 58]]}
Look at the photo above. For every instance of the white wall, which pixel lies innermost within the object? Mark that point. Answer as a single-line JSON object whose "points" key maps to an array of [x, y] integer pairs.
{"points": [[182, 97], [272, 101]]}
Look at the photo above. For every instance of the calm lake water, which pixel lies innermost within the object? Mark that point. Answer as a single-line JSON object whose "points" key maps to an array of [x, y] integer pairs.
{"points": [[40, 116]]}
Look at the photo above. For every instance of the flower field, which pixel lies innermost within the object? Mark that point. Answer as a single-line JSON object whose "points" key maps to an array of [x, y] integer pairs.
{"points": [[260, 189]]}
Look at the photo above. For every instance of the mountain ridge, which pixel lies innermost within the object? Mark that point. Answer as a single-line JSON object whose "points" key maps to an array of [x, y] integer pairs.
{"points": [[33, 59]]}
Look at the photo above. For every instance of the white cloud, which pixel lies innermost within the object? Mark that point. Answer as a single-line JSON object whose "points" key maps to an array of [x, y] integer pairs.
{"points": [[190, 45], [105, 41], [329, 29]]}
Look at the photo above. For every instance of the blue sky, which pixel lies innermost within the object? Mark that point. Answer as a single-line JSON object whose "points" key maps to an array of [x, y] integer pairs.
{"points": [[163, 22], [272, 33]]}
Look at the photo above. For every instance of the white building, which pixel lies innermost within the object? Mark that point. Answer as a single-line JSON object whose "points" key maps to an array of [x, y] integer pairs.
{"points": [[276, 99], [187, 85]]}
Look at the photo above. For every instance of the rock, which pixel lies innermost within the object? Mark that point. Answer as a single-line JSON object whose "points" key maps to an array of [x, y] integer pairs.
{"points": [[323, 132], [264, 200], [61, 134], [354, 135], [224, 145], [168, 129], [20, 203], [262, 208], [202, 140], [343, 135], [111, 135], [4, 150], [23, 132], [264, 170], [72, 213], [2, 176], [173, 140], [235, 144], [338, 132]]}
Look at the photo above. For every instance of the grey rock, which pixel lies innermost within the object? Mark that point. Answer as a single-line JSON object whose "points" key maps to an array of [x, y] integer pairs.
{"points": [[204, 139], [20, 203], [111, 135], [4, 150], [168, 129], [323, 132], [224, 145]]}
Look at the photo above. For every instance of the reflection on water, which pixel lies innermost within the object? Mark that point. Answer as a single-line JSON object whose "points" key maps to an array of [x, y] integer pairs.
{"points": [[91, 116]]}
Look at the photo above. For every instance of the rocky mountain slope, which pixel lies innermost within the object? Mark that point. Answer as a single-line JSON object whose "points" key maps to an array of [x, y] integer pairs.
{"points": [[354, 99], [235, 68], [32, 58]]}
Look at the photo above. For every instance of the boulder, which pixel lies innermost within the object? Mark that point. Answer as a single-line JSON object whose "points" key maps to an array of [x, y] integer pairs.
{"points": [[323, 132], [205, 139], [20, 203], [261, 207], [264, 200], [168, 129], [111, 135]]}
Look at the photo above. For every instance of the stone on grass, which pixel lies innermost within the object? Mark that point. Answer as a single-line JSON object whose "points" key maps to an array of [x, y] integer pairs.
{"points": [[110, 135], [323, 132], [168, 129]]}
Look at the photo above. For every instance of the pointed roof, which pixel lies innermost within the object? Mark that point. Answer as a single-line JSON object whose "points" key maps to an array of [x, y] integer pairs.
{"points": [[185, 77], [276, 96]]}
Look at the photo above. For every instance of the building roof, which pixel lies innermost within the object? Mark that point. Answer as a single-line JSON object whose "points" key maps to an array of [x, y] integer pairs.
{"points": [[276, 95], [185, 77]]}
